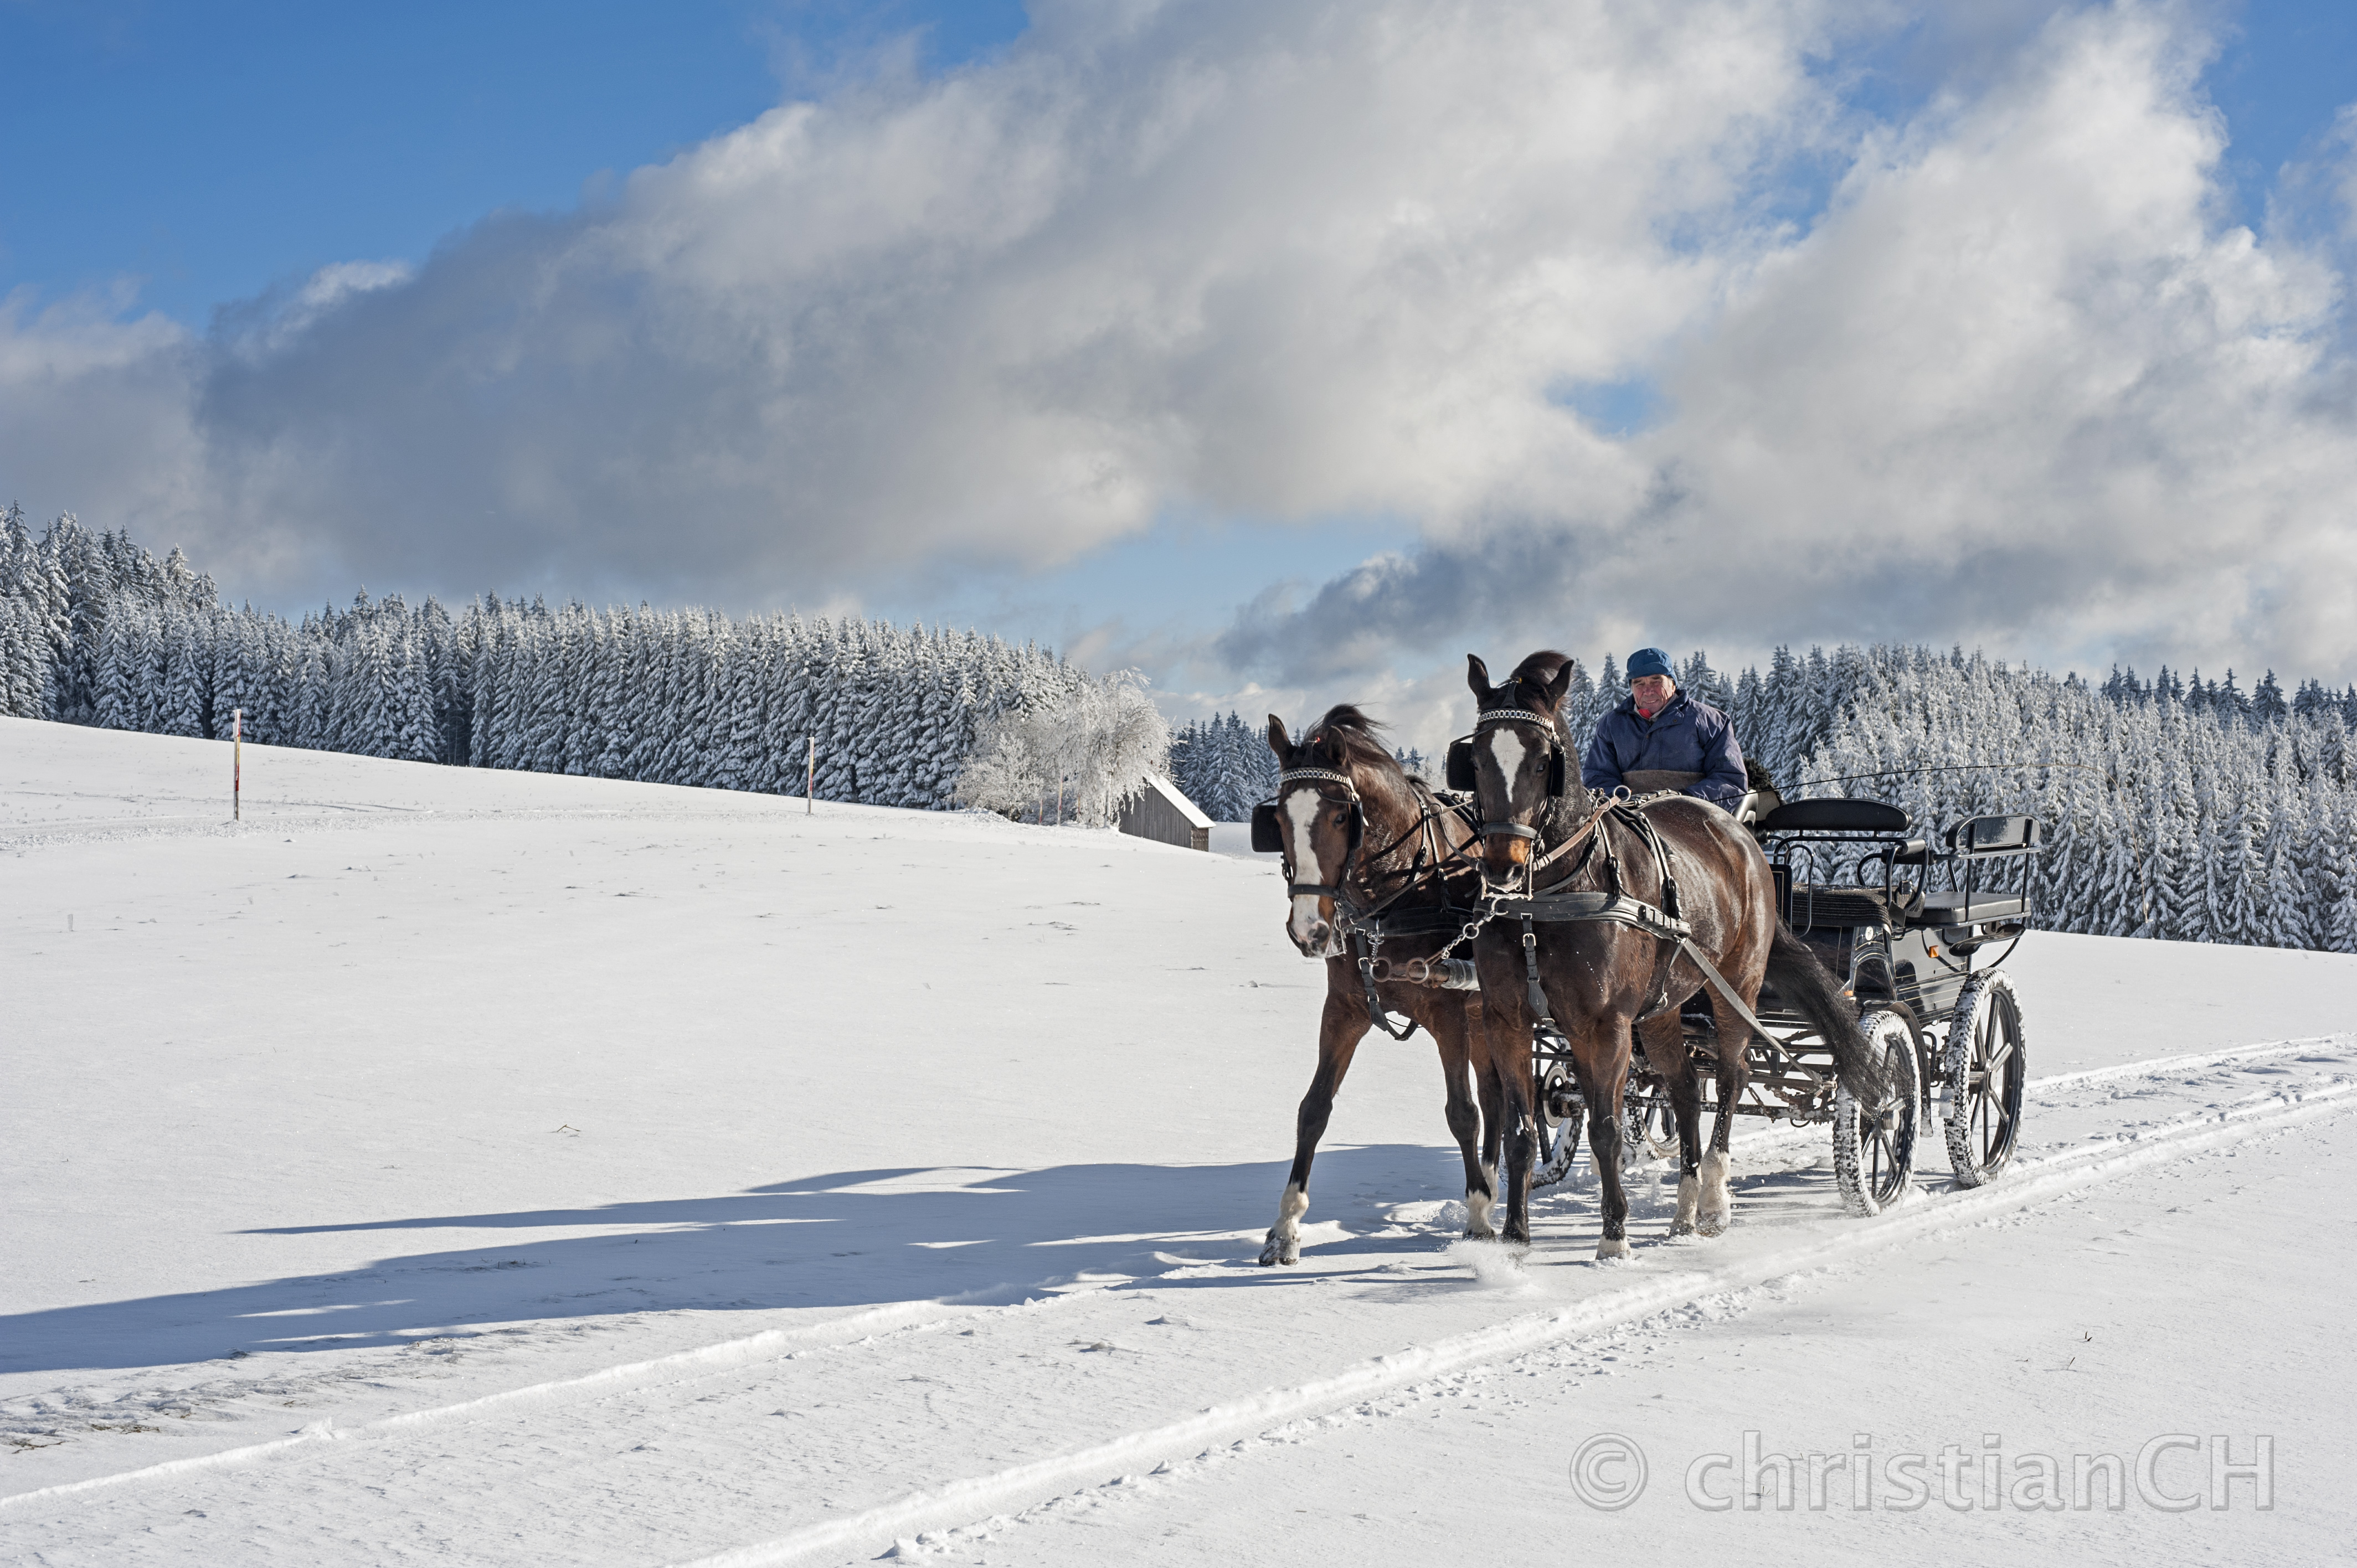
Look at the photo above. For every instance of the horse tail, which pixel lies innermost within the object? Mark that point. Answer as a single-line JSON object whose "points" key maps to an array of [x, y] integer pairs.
{"points": [[1804, 984]]}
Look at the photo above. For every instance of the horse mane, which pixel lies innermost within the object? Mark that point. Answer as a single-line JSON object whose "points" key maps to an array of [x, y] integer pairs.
{"points": [[1353, 737], [1540, 666], [1559, 817], [1531, 675]]}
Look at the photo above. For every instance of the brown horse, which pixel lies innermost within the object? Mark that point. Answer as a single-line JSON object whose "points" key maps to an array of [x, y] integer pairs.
{"points": [[1363, 842], [1543, 832]]}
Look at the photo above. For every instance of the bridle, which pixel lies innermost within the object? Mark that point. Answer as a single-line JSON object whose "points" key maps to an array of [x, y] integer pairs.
{"points": [[1489, 719], [1349, 913], [1362, 927], [1284, 782]]}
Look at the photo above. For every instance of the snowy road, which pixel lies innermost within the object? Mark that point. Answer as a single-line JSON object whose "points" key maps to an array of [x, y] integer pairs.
{"points": [[706, 1288]]}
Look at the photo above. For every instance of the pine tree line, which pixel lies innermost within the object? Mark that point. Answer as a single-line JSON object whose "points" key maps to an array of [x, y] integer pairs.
{"points": [[2163, 819], [1224, 766], [2170, 810], [96, 630], [2173, 809], [2176, 807]]}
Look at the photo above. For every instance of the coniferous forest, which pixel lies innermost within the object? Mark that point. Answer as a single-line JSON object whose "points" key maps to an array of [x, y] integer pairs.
{"points": [[2176, 807], [95, 630]]}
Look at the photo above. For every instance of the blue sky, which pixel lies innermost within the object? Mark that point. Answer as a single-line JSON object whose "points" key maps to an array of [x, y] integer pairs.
{"points": [[185, 158], [207, 151], [210, 150]]}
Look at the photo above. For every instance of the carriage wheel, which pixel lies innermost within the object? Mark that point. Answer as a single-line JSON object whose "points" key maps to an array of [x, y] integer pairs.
{"points": [[1987, 1068], [1874, 1152], [1649, 1128], [1555, 1105]]}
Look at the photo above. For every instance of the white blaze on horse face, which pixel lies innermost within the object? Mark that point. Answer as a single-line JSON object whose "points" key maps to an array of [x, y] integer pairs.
{"points": [[1301, 809], [1507, 745]]}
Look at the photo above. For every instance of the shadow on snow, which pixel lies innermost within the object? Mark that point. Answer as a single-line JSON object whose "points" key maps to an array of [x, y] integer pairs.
{"points": [[848, 1239]]}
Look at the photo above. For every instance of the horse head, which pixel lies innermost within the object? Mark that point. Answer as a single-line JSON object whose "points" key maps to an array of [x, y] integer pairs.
{"points": [[1329, 787], [1520, 764]]}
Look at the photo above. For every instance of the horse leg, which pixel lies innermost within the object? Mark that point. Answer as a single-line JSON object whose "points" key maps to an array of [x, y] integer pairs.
{"points": [[1717, 1209], [1344, 1025], [1600, 1056], [1492, 1085], [1465, 1122], [1664, 1040], [1521, 1150], [1504, 1043], [1482, 1049]]}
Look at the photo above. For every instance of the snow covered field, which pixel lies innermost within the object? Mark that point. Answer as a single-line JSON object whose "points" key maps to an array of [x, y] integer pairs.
{"points": [[494, 1169]]}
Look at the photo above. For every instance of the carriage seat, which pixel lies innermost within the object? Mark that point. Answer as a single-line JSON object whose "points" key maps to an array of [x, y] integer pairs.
{"points": [[1948, 906], [1813, 907], [1834, 815]]}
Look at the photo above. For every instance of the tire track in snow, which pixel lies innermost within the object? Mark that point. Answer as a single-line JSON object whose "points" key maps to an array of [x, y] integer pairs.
{"points": [[972, 1498], [1778, 1135], [770, 1344]]}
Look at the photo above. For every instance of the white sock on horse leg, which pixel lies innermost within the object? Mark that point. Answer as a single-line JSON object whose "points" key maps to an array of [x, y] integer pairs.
{"points": [[1717, 1198]]}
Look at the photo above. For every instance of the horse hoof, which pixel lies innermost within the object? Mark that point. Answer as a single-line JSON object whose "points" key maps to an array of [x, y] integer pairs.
{"points": [[1280, 1250], [1476, 1214], [1611, 1247], [1682, 1227]]}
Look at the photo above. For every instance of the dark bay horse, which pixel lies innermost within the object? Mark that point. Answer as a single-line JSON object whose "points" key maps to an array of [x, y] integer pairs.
{"points": [[1543, 832], [1360, 836]]}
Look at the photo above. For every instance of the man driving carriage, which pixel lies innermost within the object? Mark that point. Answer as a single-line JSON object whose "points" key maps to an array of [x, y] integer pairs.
{"points": [[1660, 738]]}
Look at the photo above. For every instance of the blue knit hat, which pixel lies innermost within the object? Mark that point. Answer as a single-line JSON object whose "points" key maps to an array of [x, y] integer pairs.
{"points": [[1650, 661]]}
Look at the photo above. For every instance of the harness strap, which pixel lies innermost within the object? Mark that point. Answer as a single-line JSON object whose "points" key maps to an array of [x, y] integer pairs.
{"points": [[1375, 1008], [1531, 974], [1586, 830], [1363, 927], [1613, 908], [1750, 1018]]}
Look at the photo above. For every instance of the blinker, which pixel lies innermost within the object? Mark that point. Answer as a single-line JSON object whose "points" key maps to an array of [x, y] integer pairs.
{"points": [[1459, 772]]}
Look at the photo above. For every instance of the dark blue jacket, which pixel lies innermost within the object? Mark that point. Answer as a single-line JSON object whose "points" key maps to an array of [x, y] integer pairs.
{"points": [[1687, 736]]}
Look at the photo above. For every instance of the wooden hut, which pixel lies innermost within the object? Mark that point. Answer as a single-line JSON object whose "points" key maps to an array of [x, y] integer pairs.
{"points": [[1160, 812]]}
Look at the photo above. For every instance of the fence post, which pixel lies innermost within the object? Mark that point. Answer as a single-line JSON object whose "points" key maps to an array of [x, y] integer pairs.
{"points": [[809, 778], [237, 765]]}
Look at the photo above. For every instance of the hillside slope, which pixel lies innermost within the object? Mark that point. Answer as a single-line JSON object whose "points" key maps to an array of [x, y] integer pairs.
{"points": [[638, 1174]]}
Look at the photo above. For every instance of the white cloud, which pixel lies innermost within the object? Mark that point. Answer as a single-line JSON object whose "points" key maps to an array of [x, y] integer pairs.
{"points": [[1299, 261], [1281, 260], [2017, 387]]}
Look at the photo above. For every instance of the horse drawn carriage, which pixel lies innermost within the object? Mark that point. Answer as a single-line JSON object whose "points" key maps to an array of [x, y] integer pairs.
{"points": [[1923, 964], [1638, 962]]}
